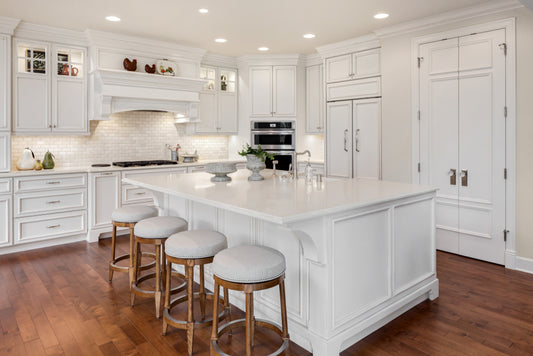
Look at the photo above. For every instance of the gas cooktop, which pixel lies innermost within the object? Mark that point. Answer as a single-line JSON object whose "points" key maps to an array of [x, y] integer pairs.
{"points": [[143, 163]]}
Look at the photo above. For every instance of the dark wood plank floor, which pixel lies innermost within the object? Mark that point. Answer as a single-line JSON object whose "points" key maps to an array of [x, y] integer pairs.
{"points": [[57, 301]]}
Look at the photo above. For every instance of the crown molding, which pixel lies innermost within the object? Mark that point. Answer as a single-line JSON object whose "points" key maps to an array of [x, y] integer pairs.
{"points": [[491, 7], [356, 44], [8, 25], [269, 59], [49, 33], [143, 46], [219, 60], [312, 59], [527, 3]]}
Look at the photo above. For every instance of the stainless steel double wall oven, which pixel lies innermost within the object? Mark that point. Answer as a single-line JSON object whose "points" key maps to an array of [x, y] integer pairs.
{"points": [[276, 137]]}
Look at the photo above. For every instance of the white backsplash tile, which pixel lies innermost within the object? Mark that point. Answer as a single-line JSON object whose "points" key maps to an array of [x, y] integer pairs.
{"points": [[128, 136]]}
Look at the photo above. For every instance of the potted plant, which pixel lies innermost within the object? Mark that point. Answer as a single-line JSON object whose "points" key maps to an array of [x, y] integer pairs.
{"points": [[255, 158]]}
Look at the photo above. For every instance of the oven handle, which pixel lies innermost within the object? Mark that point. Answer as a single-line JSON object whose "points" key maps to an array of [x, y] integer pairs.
{"points": [[272, 132]]}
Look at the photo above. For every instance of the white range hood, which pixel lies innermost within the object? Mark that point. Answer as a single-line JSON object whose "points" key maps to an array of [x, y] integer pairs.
{"points": [[113, 91]]}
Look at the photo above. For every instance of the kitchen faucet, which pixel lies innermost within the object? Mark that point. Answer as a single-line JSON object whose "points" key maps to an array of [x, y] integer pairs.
{"points": [[296, 154]]}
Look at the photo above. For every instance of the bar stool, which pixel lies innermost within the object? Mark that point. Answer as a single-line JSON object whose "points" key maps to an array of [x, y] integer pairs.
{"points": [[192, 248], [127, 217], [249, 269], [153, 231]]}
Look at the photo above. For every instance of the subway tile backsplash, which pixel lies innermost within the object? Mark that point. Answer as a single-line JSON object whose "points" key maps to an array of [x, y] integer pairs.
{"points": [[127, 136]]}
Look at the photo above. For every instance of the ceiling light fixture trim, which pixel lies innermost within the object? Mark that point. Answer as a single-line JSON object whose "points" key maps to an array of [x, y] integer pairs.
{"points": [[381, 15], [112, 18]]}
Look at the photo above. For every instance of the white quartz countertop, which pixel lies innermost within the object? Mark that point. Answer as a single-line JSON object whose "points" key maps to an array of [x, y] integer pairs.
{"points": [[278, 201], [89, 169]]}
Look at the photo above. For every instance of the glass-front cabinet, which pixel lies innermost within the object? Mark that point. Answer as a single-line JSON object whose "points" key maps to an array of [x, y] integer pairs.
{"points": [[218, 101], [49, 88]]}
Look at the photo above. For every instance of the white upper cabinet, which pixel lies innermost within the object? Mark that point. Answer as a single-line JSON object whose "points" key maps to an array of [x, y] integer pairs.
{"points": [[273, 91], [314, 95], [5, 83], [218, 101], [50, 88], [353, 66]]}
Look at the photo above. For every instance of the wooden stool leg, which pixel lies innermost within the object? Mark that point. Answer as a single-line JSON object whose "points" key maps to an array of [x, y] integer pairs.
{"points": [[190, 307], [135, 269], [168, 287], [164, 262], [113, 250], [252, 313], [227, 308], [157, 293], [283, 304], [249, 323], [214, 329], [202, 292], [132, 255]]}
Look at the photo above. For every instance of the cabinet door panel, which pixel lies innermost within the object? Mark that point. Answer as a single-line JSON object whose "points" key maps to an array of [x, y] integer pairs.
{"points": [[227, 113], [284, 91], [366, 63], [207, 113], [338, 68], [5, 152], [105, 197], [5, 83], [32, 108], [314, 99], [5, 220], [367, 136], [338, 141], [261, 91], [70, 110]]}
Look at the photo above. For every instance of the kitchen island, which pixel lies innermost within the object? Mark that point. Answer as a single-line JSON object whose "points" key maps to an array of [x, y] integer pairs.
{"points": [[359, 252]]}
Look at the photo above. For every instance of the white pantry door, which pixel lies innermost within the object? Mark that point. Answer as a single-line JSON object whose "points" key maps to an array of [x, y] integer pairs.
{"points": [[462, 141]]}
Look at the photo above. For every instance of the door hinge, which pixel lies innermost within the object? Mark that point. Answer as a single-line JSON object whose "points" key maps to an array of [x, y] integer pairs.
{"points": [[419, 59], [503, 46], [505, 232], [505, 173], [418, 166], [505, 111], [418, 115]]}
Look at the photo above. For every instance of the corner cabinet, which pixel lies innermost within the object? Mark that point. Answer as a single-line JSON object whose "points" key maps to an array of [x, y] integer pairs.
{"points": [[314, 97], [49, 88], [353, 66], [273, 91], [218, 101]]}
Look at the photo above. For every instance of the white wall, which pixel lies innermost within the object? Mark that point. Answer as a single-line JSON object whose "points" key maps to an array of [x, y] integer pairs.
{"points": [[396, 88]]}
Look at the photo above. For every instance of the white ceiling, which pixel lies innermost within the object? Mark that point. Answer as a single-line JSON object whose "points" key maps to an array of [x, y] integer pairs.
{"points": [[247, 24]]}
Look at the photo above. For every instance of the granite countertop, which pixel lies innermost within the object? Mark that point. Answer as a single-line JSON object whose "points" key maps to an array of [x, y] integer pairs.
{"points": [[85, 169]]}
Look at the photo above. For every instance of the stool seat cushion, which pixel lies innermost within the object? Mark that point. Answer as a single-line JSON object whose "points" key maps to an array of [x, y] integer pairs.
{"points": [[159, 227], [133, 214], [195, 244], [249, 264]]}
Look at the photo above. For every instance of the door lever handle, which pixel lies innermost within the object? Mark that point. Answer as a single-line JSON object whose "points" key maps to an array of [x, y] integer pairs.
{"points": [[464, 177], [453, 176]]}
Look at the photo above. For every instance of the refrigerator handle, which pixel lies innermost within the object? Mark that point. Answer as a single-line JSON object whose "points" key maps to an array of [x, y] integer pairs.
{"points": [[357, 140], [345, 140]]}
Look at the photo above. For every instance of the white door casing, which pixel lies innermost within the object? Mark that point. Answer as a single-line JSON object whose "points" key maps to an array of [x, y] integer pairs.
{"points": [[462, 128]]}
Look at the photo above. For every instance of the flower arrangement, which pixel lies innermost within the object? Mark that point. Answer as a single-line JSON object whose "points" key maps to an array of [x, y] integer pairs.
{"points": [[258, 152]]}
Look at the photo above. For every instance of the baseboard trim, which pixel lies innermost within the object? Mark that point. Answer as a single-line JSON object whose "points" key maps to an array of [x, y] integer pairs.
{"points": [[523, 264]]}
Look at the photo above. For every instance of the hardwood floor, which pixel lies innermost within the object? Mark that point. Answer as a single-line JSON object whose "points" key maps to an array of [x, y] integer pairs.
{"points": [[57, 301]]}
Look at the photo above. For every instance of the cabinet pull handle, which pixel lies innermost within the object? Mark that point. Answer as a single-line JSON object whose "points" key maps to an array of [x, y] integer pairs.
{"points": [[453, 176], [53, 182], [140, 193], [53, 226], [50, 126], [53, 202], [464, 177], [345, 140], [106, 173], [357, 140]]}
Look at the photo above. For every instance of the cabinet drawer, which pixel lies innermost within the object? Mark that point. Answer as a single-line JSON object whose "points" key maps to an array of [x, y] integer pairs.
{"points": [[134, 194], [354, 89], [5, 185], [49, 202], [151, 172], [196, 169], [49, 226], [59, 181]]}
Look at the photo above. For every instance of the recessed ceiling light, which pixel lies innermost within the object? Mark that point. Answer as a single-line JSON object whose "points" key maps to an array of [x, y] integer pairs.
{"points": [[221, 40], [263, 49], [112, 18], [381, 16], [309, 35], [203, 11]]}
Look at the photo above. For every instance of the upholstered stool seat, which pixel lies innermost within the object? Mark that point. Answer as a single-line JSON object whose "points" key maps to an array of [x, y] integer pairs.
{"points": [[191, 248], [128, 217], [249, 269], [153, 231]]}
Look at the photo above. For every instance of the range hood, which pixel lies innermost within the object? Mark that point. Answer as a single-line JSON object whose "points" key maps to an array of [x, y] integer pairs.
{"points": [[113, 91]]}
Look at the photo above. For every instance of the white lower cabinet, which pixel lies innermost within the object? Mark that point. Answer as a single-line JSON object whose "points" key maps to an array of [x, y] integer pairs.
{"points": [[43, 210], [5, 212], [104, 191]]}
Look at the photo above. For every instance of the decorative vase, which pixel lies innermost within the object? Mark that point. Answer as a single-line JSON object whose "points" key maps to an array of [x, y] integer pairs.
{"points": [[255, 164], [48, 161]]}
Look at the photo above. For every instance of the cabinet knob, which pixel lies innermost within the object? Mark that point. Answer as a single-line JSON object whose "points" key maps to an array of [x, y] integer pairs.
{"points": [[50, 126], [55, 126]]}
